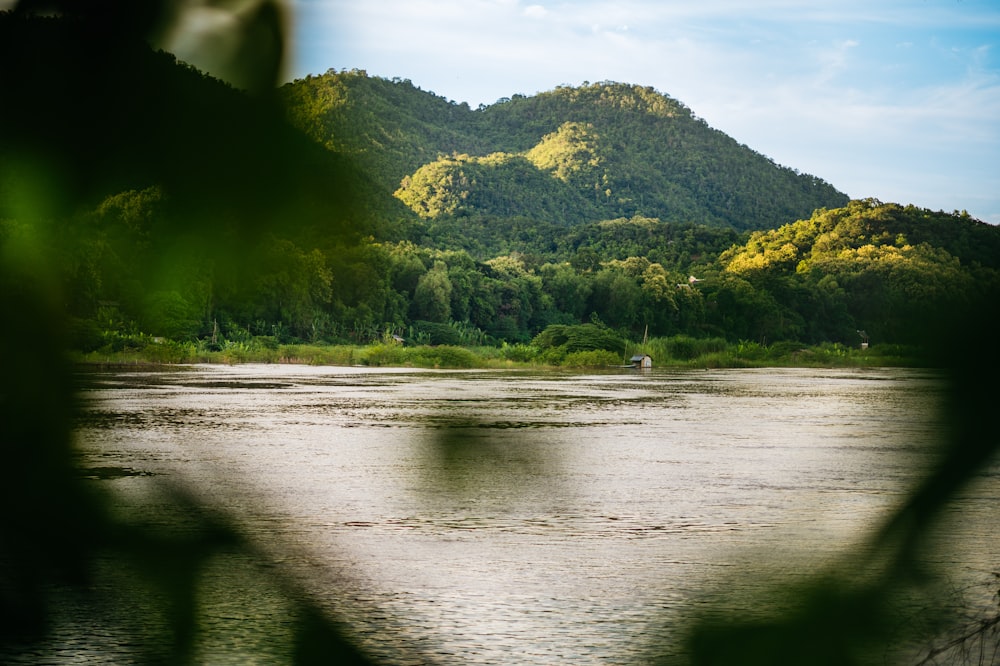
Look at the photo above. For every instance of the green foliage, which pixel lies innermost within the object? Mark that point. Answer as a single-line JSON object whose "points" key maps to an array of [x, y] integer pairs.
{"points": [[566, 156], [581, 337], [439, 356], [683, 348], [170, 315], [170, 351], [859, 265], [391, 127], [520, 233], [808, 281], [384, 354], [434, 333], [432, 296], [443, 356], [595, 358], [320, 355], [498, 184], [571, 154], [519, 352], [168, 202], [90, 111]]}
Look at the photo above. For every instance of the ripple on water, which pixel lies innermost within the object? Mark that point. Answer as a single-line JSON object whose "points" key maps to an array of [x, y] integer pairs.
{"points": [[532, 518]]}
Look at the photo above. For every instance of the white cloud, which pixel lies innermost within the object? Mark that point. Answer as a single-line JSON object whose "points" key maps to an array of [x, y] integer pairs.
{"points": [[536, 11]]}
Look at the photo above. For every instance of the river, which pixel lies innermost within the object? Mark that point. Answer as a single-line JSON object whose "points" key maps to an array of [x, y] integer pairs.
{"points": [[515, 516]]}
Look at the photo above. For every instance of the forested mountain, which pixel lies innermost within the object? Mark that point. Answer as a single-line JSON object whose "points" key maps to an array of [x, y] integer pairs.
{"points": [[567, 156], [157, 201]]}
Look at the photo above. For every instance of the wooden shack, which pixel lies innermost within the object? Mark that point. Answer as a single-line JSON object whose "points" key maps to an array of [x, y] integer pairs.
{"points": [[641, 361]]}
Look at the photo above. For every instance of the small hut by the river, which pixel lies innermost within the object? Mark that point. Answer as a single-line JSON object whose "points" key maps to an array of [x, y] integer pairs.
{"points": [[641, 361]]}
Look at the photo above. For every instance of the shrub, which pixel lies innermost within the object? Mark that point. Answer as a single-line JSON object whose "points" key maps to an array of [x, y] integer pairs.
{"points": [[170, 351], [115, 341], [682, 348], [519, 352], [383, 354], [785, 349], [552, 356], [581, 337], [712, 345], [265, 342], [85, 335], [445, 356], [748, 349], [242, 352], [234, 353], [597, 358], [433, 333], [169, 314], [319, 355]]}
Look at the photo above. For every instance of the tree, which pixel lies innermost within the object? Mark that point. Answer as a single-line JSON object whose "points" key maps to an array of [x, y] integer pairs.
{"points": [[739, 310], [659, 299], [568, 289], [292, 285], [432, 297], [616, 299], [579, 337]]}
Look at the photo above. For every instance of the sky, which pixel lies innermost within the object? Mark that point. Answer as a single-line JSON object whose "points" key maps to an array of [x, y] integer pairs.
{"points": [[893, 99]]}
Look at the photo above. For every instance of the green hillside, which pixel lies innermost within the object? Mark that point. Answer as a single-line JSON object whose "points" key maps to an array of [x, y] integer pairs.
{"points": [[155, 201], [900, 271], [570, 155]]}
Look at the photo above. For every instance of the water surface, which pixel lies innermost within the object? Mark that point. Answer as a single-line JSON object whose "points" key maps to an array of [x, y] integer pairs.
{"points": [[526, 517]]}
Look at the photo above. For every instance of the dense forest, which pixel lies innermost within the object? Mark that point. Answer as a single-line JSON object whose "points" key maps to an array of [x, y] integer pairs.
{"points": [[347, 208], [572, 155]]}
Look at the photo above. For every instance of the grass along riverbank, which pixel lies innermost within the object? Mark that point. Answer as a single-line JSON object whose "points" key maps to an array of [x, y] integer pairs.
{"points": [[677, 351]]}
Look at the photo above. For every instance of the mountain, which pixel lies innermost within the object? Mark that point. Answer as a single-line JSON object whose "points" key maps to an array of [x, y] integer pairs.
{"points": [[161, 202], [571, 155], [89, 113]]}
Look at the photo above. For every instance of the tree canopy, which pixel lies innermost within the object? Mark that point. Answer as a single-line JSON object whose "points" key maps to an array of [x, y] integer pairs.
{"points": [[612, 150]]}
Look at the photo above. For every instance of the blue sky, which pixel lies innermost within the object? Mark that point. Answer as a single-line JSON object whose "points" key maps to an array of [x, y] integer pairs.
{"points": [[893, 99]]}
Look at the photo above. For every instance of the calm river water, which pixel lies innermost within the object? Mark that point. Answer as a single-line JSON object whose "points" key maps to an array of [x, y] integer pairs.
{"points": [[524, 517]]}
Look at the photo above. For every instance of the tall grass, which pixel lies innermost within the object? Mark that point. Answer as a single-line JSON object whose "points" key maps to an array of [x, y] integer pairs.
{"points": [[682, 349], [677, 351], [596, 358], [686, 351]]}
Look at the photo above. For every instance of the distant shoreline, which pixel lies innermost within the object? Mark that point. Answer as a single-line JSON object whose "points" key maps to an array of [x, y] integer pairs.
{"points": [[740, 355]]}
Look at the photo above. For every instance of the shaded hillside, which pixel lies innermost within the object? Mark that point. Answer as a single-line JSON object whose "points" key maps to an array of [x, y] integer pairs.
{"points": [[88, 114], [571, 155], [391, 127], [159, 198]]}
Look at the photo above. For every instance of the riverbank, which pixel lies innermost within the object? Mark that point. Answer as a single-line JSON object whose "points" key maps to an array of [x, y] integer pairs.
{"points": [[664, 353]]}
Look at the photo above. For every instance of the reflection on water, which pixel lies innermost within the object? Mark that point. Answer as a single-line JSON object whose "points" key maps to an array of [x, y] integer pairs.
{"points": [[520, 517]]}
